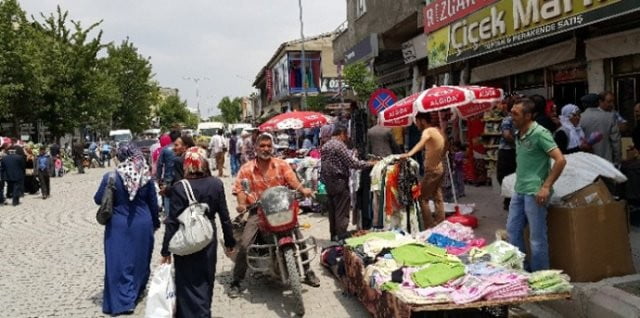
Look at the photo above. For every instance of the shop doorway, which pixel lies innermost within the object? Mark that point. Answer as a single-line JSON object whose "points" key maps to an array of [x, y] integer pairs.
{"points": [[569, 93], [627, 95]]}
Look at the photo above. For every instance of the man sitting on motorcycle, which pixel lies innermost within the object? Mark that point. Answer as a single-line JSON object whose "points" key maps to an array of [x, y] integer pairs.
{"points": [[262, 173]]}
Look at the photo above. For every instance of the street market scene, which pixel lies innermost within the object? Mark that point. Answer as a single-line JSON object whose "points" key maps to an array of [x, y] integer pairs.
{"points": [[358, 158]]}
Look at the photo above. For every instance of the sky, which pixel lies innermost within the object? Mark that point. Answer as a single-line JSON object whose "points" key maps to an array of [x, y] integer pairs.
{"points": [[227, 42]]}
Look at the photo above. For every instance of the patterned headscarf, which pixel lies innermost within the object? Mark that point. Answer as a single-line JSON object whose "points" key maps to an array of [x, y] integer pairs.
{"points": [[195, 162], [133, 169]]}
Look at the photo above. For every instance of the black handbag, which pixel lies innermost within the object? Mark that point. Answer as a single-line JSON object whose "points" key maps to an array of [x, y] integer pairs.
{"points": [[105, 211]]}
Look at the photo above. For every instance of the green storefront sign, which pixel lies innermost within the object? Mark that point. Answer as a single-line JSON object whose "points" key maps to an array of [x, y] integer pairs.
{"points": [[512, 22]]}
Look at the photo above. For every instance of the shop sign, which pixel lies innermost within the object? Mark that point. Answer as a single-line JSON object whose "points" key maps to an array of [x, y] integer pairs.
{"points": [[570, 74], [269, 76], [332, 84], [440, 13], [512, 22], [281, 78], [365, 49], [415, 49]]}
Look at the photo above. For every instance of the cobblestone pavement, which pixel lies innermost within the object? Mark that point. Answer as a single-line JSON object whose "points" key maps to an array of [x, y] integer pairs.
{"points": [[52, 262]]}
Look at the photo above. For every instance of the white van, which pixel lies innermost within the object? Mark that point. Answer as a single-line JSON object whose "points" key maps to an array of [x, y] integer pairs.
{"points": [[121, 135], [209, 128], [239, 128]]}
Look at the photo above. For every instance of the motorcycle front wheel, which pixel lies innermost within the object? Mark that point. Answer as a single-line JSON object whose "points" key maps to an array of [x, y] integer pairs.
{"points": [[294, 279]]}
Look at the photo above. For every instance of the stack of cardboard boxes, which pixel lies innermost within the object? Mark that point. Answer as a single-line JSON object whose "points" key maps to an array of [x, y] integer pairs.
{"points": [[589, 235]]}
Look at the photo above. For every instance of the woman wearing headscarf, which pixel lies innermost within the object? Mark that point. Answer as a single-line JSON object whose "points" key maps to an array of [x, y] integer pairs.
{"points": [[570, 137], [195, 273], [128, 236]]}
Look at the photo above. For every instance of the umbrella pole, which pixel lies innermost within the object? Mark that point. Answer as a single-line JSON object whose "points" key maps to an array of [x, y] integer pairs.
{"points": [[453, 186]]}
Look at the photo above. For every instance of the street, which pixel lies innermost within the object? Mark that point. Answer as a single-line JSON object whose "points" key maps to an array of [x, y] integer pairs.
{"points": [[53, 261]]}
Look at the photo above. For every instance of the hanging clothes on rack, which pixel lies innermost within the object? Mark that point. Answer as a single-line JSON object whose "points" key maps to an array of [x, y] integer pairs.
{"points": [[395, 191]]}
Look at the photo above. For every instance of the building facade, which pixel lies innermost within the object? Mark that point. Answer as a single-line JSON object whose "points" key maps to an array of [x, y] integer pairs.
{"points": [[376, 34], [559, 49], [281, 83]]}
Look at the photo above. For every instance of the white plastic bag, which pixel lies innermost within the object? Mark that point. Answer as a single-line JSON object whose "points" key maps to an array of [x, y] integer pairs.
{"points": [[161, 299]]}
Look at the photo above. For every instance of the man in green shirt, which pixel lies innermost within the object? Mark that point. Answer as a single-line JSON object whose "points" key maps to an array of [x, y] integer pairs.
{"points": [[534, 180]]}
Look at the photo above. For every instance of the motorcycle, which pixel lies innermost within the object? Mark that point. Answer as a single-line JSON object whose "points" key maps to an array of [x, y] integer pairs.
{"points": [[278, 249], [88, 161]]}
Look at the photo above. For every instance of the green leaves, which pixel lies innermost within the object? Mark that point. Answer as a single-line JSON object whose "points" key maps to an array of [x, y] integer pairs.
{"points": [[361, 81], [230, 110], [58, 71], [173, 111]]}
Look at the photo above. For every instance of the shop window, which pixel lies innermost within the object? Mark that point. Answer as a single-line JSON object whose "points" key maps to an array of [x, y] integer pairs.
{"points": [[529, 80], [312, 62], [361, 8]]}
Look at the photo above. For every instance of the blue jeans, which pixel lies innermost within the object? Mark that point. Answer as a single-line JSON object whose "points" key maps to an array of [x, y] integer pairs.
{"points": [[525, 210], [235, 164]]}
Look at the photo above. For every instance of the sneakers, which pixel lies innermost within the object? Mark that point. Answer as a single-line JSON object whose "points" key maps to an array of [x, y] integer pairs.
{"points": [[311, 279], [234, 290]]}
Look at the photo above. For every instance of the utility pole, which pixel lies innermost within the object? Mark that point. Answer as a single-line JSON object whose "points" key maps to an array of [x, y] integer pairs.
{"points": [[197, 81], [304, 61]]}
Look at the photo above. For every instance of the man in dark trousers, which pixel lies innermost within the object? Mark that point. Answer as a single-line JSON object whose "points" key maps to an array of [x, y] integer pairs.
{"points": [[44, 164], [77, 152], [336, 161], [54, 152], [14, 168]]}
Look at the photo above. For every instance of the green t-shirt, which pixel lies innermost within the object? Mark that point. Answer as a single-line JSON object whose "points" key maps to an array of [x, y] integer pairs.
{"points": [[532, 157]]}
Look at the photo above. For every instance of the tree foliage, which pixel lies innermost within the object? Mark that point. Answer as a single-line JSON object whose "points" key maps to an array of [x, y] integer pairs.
{"points": [[136, 91], [174, 111], [230, 109], [361, 81], [316, 103], [58, 71]]}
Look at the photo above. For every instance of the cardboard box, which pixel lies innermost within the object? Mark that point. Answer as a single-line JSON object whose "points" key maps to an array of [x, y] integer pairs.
{"points": [[595, 193], [591, 242]]}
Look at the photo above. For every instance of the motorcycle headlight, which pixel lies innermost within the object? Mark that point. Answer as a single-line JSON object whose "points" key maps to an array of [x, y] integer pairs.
{"points": [[280, 218]]}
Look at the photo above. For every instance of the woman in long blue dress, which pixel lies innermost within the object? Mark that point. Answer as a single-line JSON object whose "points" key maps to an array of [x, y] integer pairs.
{"points": [[128, 236]]}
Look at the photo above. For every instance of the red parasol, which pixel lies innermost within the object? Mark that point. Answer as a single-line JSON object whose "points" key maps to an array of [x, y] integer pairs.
{"points": [[295, 120], [467, 101]]}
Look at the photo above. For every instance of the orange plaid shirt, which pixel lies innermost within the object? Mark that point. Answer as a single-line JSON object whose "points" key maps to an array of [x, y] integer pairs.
{"points": [[279, 173]]}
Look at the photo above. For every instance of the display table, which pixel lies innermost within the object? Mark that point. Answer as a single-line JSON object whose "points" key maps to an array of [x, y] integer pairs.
{"points": [[386, 305]]}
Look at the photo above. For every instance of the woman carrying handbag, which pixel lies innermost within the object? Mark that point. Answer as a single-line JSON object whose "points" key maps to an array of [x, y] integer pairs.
{"points": [[195, 273], [128, 233]]}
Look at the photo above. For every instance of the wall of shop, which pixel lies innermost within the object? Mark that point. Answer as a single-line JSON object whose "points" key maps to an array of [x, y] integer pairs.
{"points": [[380, 16]]}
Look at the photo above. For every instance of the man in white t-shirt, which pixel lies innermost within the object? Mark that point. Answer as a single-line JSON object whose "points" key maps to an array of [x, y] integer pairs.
{"points": [[217, 146]]}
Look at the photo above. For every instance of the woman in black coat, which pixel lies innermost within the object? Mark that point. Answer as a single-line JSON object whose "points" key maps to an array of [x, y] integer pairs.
{"points": [[195, 273]]}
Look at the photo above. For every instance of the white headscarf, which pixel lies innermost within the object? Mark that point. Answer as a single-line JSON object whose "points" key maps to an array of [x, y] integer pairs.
{"points": [[574, 133]]}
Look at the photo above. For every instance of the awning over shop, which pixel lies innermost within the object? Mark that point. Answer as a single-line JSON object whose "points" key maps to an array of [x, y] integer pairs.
{"points": [[613, 45], [550, 55]]}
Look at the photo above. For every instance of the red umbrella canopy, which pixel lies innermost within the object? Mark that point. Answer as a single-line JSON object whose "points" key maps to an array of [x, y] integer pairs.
{"points": [[467, 101], [443, 97], [400, 109], [295, 120], [402, 122], [485, 94]]}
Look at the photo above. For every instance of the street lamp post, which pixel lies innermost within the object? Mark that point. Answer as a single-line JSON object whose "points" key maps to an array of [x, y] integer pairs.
{"points": [[304, 62], [197, 81]]}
